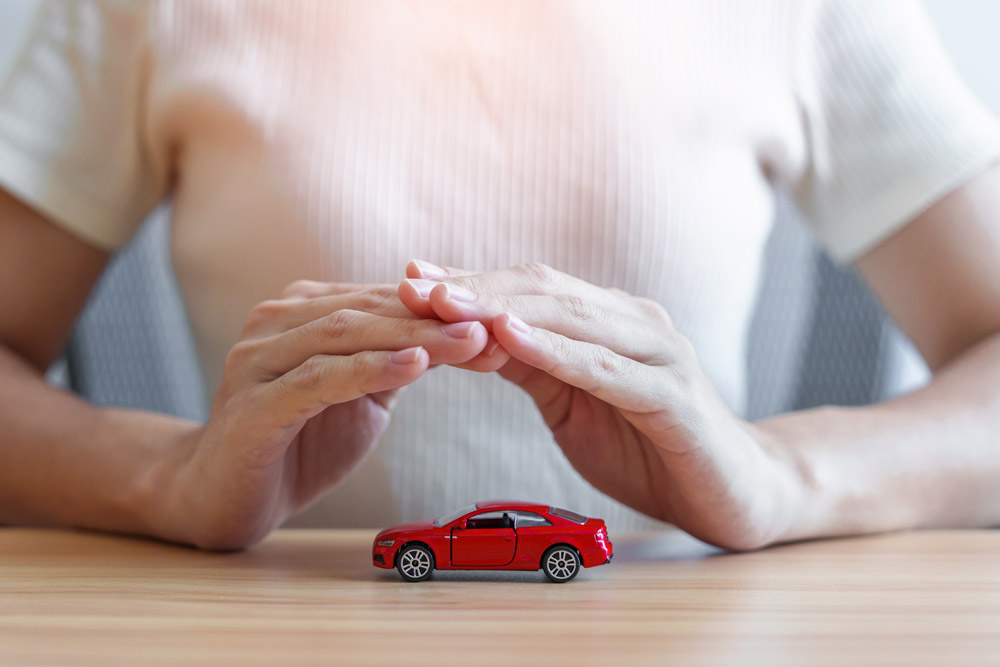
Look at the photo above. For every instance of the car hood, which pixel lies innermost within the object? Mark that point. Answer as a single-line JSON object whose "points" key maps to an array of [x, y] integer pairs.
{"points": [[404, 528]]}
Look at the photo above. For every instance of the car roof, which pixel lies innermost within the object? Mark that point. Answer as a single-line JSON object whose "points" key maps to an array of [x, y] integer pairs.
{"points": [[511, 505]]}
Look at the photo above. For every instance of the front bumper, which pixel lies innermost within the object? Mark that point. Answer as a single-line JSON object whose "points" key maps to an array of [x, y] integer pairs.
{"points": [[383, 557]]}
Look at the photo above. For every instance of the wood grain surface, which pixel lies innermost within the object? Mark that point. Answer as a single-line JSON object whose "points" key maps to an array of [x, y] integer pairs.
{"points": [[312, 597]]}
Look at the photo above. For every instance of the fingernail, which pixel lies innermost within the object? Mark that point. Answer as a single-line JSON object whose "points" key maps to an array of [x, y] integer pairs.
{"points": [[428, 270], [404, 357], [518, 324], [459, 329], [459, 293], [422, 287], [492, 348]]}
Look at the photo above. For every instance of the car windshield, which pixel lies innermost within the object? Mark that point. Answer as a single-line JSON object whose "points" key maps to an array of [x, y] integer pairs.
{"points": [[566, 514], [448, 518]]}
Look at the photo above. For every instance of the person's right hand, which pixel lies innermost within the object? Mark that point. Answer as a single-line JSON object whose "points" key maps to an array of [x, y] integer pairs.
{"points": [[306, 394]]}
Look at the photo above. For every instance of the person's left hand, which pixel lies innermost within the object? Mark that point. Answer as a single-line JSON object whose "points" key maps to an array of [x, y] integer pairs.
{"points": [[625, 398]]}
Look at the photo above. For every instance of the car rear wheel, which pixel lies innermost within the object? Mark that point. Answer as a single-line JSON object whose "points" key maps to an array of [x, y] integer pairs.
{"points": [[561, 563], [415, 562]]}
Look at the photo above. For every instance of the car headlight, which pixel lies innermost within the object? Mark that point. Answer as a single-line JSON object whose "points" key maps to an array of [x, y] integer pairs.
{"points": [[385, 543]]}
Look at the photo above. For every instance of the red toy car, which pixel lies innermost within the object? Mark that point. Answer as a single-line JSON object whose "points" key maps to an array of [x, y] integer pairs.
{"points": [[496, 535]]}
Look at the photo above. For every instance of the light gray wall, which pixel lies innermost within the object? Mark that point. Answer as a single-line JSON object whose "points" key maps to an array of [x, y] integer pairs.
{"points": [[968, 29]]}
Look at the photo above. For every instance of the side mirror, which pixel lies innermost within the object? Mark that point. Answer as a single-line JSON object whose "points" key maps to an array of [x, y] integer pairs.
{"points": [[460, 525]]}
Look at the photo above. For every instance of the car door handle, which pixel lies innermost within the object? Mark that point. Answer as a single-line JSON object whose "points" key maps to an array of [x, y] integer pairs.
{"points": [[508, 539]]}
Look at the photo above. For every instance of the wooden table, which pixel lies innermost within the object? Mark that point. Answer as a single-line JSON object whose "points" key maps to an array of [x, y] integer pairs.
{"points": [[312, 597]]}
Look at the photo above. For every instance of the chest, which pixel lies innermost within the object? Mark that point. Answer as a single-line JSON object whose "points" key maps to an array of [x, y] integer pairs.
{"points": [[626, 143]]}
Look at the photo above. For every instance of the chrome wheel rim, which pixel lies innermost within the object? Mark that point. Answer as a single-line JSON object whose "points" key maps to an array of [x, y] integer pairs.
{"points": [[561, 564], [415, 563]]}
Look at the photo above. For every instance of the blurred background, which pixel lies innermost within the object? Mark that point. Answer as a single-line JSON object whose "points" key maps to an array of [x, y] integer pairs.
{"points": [[817, 337]]}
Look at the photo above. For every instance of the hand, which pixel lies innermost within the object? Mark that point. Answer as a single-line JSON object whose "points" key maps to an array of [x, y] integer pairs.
{"points": [[306, 394], [625, 398]]}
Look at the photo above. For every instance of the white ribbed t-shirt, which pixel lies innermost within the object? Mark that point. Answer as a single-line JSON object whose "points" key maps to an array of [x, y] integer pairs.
{"points": [[632, 144]]}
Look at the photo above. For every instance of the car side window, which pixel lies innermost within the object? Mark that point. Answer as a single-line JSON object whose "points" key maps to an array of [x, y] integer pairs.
{"points": [[529, 519], [487, 520]]}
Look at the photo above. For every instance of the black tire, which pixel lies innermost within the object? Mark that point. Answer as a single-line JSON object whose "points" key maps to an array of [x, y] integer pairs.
{"points": [[561, 563], [415, 562]]}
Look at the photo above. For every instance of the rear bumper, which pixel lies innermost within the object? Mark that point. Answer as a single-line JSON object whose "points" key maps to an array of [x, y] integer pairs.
{"points": [[602, 555]]}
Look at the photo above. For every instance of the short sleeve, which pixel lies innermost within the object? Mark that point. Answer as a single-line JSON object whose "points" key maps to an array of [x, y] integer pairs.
{"points": [[71, 131], [891, 127]]}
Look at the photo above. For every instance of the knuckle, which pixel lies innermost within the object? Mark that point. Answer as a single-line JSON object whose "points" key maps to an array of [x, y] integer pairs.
{"points": [[238, 404], [298, 288], [264, 314], [683, 353], [241, 355], [654, 310], [607, 361], [561, 353], [373, 300], [340, 323], [311, 374], [540, 273], [508, 303], [363, 367], [361, 364], [604, 366], [684, 346], [578, 308], [415, 330]]}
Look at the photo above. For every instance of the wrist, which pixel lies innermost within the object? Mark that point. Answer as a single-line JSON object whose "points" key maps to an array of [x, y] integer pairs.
{"points": [[827, 498], [798, 497], [159, 498]]}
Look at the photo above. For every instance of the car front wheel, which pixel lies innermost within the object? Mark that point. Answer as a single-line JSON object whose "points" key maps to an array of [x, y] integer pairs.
{"points": [[415, 562], [561, 563]]}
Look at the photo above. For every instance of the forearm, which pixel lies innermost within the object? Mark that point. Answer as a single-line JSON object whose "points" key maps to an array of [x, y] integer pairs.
{"points": [[65, 462], [927, 459]]}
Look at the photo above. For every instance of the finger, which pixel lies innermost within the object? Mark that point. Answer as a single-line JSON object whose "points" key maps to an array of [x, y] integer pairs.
{"points": [[530, 278], [275, 316], [468, 293], [346, 332], [421, 278], [414, 294], [570, 315], [613, 378], [324, 380], [418, 268], [491, 359], [309, 289], [541, 280]]}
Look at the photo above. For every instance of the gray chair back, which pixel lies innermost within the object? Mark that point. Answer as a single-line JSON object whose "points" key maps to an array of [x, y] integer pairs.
{"points": [[132, 346], [818, 335]]}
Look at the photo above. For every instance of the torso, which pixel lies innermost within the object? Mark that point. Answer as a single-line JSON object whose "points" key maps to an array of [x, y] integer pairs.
{"points": [[630, 145]]}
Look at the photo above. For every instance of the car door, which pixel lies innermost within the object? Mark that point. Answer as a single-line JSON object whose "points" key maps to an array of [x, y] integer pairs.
{"points": [[534, 535], [488, 540]]}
